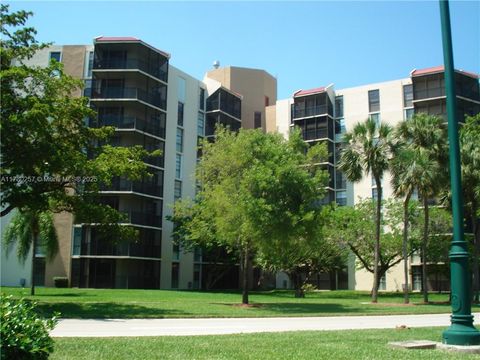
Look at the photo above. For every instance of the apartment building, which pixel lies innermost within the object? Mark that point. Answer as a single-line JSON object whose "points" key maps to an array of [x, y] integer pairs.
{"points": [[134, 88], [324, 114]]}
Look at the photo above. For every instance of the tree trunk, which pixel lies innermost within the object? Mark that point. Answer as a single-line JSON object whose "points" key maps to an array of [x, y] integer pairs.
{"points": [[376, 279], [245, 274], [424, 249], [296, 277], [406, 299], [35, 232], [476, 255]]}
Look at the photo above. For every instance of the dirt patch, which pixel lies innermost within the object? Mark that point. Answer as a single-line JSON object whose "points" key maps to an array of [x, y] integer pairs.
{"points": [[246, 306], [388, 304]]}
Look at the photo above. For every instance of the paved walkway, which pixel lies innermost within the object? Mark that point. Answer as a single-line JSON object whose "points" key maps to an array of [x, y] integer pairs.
{"points": [[215, 326]]}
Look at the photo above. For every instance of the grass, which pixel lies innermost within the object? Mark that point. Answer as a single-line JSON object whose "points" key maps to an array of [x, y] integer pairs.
{"points": [[107, 303], [358, 345]]}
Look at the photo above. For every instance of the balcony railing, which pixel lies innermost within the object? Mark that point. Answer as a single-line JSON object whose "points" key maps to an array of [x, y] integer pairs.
{"points": [[129, 122], [106, 248], [429, 93], [142, 218], [135, 186], [127, 93], [310, 111], [150, 69]]}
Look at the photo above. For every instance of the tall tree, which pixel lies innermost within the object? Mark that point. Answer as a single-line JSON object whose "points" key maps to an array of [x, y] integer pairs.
{"points": [[30, 230], [51, 161], [258, 191], [354, 226], [425, 137], [470, 157], [368, 150]]}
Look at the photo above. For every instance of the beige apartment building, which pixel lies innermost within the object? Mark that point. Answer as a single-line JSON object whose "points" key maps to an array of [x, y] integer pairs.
{"points": [[324, 114]]}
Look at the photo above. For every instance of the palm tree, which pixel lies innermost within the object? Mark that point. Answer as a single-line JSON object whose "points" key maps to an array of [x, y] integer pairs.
{"points": [[29, 229], [368, 150], [425, 136], [412, 169]]}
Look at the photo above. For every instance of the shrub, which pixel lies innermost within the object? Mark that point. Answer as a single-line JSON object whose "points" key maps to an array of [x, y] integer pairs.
{"points": [[24, 335], [60, 282]]}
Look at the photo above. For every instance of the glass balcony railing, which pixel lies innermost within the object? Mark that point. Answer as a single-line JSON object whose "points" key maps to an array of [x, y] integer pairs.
{"points": [[310, 111], [151, 69], [129, 122], [127, 93], [134, 186]]}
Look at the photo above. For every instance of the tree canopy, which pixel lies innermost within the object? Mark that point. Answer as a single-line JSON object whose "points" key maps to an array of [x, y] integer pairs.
{"points": [[259, 192]]}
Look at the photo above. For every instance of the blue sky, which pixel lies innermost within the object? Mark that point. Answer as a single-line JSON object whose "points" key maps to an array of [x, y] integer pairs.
{"points": [[303, 44]]}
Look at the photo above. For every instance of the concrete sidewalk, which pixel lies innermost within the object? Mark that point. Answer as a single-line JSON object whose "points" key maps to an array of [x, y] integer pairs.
{"points": [[216, 326]]}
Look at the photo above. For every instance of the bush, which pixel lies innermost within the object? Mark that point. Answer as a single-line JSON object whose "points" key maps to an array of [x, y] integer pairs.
{"points": [[24, 335], [60, 282]]}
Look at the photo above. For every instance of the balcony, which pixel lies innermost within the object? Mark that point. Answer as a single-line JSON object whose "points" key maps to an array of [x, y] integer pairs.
{"points": [[142, 218], [127, 93], [120, 184], [129, 123], [131, 64], [429, 93], [310, 111]]}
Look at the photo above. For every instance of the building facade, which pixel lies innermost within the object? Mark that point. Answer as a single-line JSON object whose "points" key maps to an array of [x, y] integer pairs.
{"points": [[150, 103]]}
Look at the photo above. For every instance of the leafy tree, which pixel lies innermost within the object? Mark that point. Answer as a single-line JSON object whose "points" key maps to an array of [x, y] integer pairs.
{"points": [[29, 230], [354, 226], [51, 161], [425, 139], [470, 157], [259, 191], [367, 150], [303, 256]]}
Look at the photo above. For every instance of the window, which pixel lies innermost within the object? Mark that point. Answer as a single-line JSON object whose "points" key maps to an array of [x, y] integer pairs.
{"points": [[341, 198], [383, 283], [374, 100], [179, 140], [407, 95], [196, 276], [257, 120], [176, 252], [197, 254], [376, 118], [181, 89], [177, 193], [89, 64], [202, 99], [201, 124], [374, 194], [417, 278], [267, 101], [77, 240], [57, 55], [408, 114], [175, 275], [180, 114], [339, 106], [178, 166]]}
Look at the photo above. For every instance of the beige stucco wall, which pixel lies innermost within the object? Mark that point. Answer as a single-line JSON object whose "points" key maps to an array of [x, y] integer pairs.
{"points": [[355, 108], [191, 109], [253, 85]]}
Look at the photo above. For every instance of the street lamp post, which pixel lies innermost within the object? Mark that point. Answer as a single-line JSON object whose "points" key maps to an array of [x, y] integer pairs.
{"points": [[461, 330]]}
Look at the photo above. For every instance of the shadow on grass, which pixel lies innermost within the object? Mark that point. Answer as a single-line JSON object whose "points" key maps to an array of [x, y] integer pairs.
{"points": [[64, 295], [105, 310], [306, 308]]}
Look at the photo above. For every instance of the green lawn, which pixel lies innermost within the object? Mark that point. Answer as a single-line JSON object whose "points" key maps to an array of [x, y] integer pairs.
{"points": [[348, 345], [102, 303]]}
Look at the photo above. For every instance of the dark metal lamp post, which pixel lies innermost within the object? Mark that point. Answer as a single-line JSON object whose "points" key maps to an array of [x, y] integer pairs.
{"points": [[461, 330]]}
